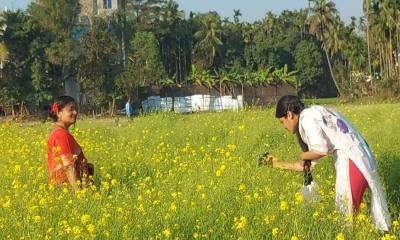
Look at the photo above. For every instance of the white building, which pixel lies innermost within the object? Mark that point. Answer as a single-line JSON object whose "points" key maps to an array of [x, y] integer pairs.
{"points": [[98, 7]]}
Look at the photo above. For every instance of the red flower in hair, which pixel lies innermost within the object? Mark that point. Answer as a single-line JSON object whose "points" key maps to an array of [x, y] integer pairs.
{"points": [[54, 108]]}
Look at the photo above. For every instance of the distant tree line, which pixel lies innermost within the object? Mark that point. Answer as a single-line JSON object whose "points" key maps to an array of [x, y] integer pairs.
{"points": [[153, 43]]}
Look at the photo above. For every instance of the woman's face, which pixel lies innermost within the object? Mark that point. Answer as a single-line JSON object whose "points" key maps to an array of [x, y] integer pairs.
{"points": [[290, 122], [68, 114]]}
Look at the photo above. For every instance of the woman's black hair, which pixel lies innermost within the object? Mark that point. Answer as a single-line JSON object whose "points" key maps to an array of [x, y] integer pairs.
{"points": [[295, 105], [288, 103], [58, 105]]}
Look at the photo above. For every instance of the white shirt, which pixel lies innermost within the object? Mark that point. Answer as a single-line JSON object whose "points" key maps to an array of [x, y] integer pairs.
{"points": [[326, 131]]}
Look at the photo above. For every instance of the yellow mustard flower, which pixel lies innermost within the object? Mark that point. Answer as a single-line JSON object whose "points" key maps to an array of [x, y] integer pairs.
{"points": [[167, 233], [240, 223], [340, 236], [284, 206], [85, 218], [275, 232]]}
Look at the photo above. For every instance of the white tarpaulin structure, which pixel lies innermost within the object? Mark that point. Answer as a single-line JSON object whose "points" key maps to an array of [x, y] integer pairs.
{"points": [[194, 103]]}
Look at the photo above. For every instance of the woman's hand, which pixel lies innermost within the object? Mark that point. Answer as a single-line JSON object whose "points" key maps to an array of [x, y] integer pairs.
{"points": [[311, 155], [70, 171], [72, 177], [295, 166]]}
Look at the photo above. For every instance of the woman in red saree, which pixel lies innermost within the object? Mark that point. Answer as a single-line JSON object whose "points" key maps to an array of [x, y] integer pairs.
{"points": [[66, 162]]}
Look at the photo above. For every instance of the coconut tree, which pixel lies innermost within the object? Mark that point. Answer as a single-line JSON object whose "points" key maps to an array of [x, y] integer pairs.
{"points": [[367, 12], [236, 15], [174, 40], [3, 57], [322, 20], [208, 39]]}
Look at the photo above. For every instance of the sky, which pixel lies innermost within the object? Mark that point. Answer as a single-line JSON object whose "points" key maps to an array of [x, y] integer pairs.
{"points": [[251, 9]]}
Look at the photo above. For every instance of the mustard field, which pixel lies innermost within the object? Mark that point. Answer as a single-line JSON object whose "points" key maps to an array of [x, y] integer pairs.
{"points": [[193, 176]]}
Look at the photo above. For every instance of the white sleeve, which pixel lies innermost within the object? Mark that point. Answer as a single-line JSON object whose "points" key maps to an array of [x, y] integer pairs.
{"points": [[313, 135]]}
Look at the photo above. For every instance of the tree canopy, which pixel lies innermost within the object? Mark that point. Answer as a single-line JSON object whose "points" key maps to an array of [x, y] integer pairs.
{"points": [[152, 42]]}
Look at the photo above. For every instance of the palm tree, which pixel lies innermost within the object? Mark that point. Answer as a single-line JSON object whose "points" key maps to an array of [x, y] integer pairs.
{"points": [[209, 38], [299, 20], [323, 19], [3, 57], [366, 8], [170, 11], [268, 23], [3, 54], [236, 15], [173, 40], [384, 37], [390, 13], [382, 29]]}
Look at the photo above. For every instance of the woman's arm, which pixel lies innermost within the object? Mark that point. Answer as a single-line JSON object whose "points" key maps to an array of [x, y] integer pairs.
{"points": [[71, 173], [295, 166], [311, 155], [298, 165]]}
